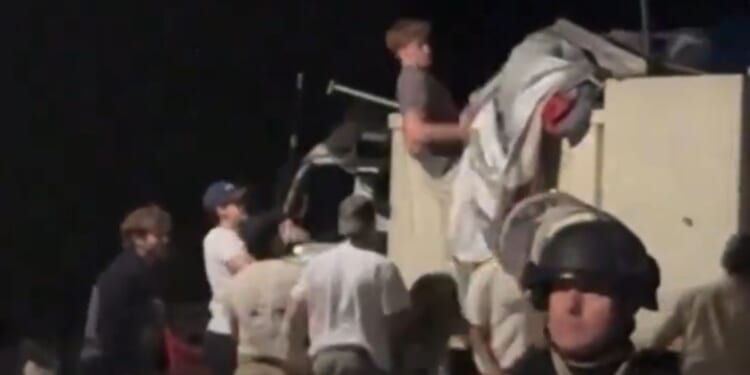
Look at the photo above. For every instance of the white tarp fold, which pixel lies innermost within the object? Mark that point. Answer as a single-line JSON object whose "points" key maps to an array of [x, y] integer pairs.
{"points": [[504, 150]]}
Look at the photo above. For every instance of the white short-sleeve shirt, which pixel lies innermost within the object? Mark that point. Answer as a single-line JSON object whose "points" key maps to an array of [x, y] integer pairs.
{"points": [[495, 302], [219, 246], [349, 293]]}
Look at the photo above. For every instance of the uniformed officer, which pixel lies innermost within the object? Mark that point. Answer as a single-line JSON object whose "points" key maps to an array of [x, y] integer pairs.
{"points": [[713, 320], [591, 278]]}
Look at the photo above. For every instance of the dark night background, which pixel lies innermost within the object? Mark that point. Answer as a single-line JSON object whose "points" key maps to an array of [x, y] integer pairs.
{"points": [[133, 102]]}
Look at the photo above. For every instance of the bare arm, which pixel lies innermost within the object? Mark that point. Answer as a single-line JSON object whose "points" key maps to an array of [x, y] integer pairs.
{"points": [[294, 329], [395, 301], [412, 93], [669, 332], [479, 338], [674, 326], [419, 133], [295, 321]]}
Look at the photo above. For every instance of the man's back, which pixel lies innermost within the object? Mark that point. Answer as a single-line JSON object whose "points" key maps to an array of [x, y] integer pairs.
{"points": [[126, 293], [257, 297], [715, 324], [349, 293]]}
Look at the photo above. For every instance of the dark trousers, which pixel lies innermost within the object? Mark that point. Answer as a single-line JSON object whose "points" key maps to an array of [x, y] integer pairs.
{"points": [[220, 352]]}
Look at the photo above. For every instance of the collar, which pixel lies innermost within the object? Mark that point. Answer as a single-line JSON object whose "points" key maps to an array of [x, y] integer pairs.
{"points": [[616, 358]]}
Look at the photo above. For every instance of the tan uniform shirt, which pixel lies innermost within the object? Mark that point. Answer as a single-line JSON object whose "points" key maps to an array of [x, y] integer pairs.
{"points": [[495, 302], [714, 324], [256, 301]]}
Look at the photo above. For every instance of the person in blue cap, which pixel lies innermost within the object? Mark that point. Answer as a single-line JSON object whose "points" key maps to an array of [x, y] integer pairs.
{"points": [[224, 254]]}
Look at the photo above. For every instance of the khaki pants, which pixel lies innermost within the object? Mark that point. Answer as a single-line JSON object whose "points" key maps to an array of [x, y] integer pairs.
{"points": [[258, 368], [344, 361]]}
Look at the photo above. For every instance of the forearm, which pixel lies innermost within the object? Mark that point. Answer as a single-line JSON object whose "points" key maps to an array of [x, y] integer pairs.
{"points": [[294, 327], [673, 326], [666, 335], [442, 133]]}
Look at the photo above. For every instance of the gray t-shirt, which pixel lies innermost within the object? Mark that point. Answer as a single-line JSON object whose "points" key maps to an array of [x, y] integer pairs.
{"points": [[418, 89]]}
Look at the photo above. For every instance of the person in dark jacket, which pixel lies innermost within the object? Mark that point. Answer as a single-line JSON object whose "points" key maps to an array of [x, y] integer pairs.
{"points": [[591, 278], [127, 296]]}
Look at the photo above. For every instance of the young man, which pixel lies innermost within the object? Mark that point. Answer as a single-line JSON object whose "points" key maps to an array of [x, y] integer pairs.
{"points": [[352, 298], [224, 255], [256, 301], [430, 117], [714, 320], [591, 278], [126, 294], [434, 132]]}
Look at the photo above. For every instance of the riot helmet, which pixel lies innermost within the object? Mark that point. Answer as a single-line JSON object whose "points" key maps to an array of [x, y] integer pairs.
{"points": [[602, 250]]}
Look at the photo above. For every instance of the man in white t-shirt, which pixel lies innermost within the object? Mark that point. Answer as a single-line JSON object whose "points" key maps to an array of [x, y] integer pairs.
{"points": [[224, 254], [503, 323], [352, 298]]}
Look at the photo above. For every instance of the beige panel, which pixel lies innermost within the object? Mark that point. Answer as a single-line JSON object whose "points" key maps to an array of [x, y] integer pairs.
{"points": [[744, 212], [578, 167], [417, 233], [671, 170]]}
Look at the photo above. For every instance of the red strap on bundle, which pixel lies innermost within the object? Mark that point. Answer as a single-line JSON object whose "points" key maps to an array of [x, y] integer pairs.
{"points": [[555, 109]]}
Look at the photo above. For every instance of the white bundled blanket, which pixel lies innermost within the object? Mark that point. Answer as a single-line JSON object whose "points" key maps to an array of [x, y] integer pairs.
{"points": [[503, 153]]}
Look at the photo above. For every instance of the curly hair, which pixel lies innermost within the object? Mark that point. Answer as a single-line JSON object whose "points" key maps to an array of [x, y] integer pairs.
{"points": [[150, 218]]}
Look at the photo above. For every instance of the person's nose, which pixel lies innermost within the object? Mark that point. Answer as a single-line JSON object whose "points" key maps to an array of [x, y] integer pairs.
{"points": [[574, 302]]}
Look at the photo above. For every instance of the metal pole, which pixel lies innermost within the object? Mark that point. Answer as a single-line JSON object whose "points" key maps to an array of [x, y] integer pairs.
{"points": [[645, 29], [293, 137], [335, 87]]}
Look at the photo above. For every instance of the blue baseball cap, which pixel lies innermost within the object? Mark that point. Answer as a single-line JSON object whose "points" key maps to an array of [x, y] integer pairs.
{"points": [[221, 193]]}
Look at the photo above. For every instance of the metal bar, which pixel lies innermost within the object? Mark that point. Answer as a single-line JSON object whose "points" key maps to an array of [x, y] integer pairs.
{"points": [[599, 165], [335, 87], [645, 29], [294, 133]]}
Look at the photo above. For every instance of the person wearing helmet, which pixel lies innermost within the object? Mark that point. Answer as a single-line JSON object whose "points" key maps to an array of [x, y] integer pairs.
{"points": [[591, 278]]}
